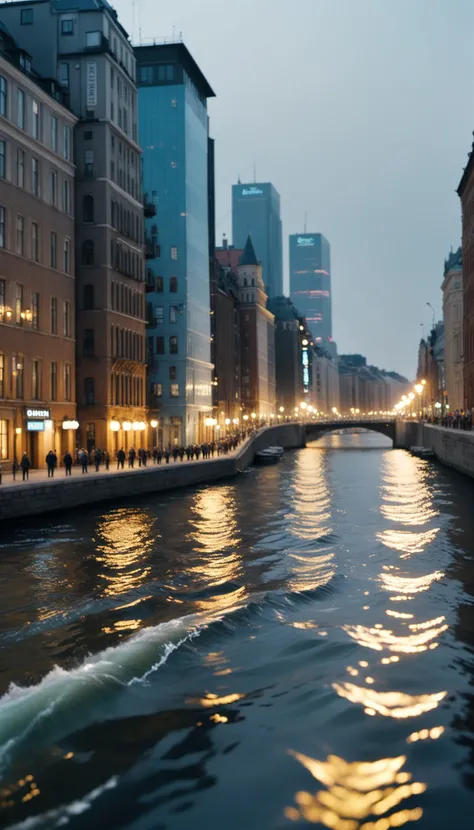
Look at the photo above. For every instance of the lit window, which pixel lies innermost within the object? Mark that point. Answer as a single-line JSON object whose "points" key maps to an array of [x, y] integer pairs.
{"points": [[174, 252], [174, 390], [173, 314]]}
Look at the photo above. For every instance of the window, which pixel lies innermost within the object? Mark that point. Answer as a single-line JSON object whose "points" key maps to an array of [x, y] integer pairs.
{"points": [[66, 196], [19, 373], [88, 209], [54, 381], [18, 304], [159, 315], [35, 177], [20, 109], [2, 383], [172, 372], [93, 39], [36, 380], [67, 256], [173, 313], [67, 318], [34, 242], [160, 345], [54, 133], [3, 428], [20, 235], [3, 159], [2, 301], [174, 252], [67, 381], [88, 135], [36, 120], [64, 75], [26, 17], [54, 249], [173, 344], [88, 163], [3, 97], [89, 391], [87, 252], [159, 285], [20, 168], [67, 26], [53, 187], [2, 227], [67, 143], [88, 297], [173, 285], [174, 390], [88, 344], [35, 311], [54, 315]]}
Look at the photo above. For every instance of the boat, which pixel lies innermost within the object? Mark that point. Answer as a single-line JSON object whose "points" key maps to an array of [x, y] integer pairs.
{"points": [[267, 457], [422, 452], [277, 450]]}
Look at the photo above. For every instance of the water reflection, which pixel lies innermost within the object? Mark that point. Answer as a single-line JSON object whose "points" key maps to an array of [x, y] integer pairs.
{"points": [[406, 495], [389, 704], [355, 792], [124, 539], [379, 638]]}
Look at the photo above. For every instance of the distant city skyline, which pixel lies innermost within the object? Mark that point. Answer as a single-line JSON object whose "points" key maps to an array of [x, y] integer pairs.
{"points": [[256, 211], [374, 162], [310, 283]]}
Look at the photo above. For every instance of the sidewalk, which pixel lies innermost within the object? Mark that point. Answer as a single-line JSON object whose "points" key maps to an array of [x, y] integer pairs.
{"points": [[39, 476]]}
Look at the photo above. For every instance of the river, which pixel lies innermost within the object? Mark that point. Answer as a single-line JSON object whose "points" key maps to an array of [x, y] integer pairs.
{"points": [[291, 647]]}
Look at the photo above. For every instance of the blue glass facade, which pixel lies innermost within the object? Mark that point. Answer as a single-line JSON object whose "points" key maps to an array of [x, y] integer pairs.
{"points": [[310, 283], [256, 211], [173, 133]]}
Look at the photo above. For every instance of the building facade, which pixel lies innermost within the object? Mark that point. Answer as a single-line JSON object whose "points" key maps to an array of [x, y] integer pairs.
{"points": [[257, 337], [325, 381], [256, 211], [173, 121], [83, 46], [453, 330], [226, 346], [466, 194], [310, 284], [37, 325], [293, 357]]}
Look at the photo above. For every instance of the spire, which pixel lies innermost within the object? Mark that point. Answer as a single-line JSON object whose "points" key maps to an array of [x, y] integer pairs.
{"points": [[248, 255]]}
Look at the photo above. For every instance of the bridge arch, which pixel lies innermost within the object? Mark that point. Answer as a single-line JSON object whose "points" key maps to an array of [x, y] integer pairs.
{"points": [[316, 429]]}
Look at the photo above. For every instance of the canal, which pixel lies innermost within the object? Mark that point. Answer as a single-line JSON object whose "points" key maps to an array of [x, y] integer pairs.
{"points": [[292, 647]]}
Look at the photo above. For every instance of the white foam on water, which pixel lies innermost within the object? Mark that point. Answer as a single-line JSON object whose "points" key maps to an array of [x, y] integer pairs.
{"points": [[60, 816]]}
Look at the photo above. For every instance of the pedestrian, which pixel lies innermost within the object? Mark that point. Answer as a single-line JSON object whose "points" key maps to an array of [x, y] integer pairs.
{"points": [[144, 458], [84, 460], [175, 454], [25, 465], [67, 461], [181, 453], [167, 455], [51, 461], [155, 455], [159, 455], [97, 459], [188, 453], [131, 457], [121, 459], [107, 460], [15, 467]]}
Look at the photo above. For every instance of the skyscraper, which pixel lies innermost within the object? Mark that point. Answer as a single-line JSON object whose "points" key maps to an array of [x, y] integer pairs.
{"points": [[256, 211], [310, 282], [177, 175]]}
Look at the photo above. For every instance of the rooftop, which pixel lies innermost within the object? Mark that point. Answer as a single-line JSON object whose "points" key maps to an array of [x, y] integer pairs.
{"points": [[248, 256], [174, 53]]}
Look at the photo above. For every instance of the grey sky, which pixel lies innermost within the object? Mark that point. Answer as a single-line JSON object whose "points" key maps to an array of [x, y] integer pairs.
{"points": [[358, 111]]}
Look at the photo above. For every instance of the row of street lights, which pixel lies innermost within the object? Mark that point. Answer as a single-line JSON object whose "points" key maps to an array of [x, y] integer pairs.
{"points": [[405, 405]]}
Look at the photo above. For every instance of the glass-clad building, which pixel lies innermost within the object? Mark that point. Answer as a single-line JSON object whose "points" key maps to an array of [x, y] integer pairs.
{"points": [[173, 133], [256, 211], [310, 282]]}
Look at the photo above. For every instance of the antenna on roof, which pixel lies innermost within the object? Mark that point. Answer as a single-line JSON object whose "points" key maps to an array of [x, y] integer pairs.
{"points": [[238, 180]]}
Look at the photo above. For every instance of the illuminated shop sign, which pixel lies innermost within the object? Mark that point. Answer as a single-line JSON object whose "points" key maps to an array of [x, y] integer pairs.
{"points": [[41, 414], [35, 426], [305, 362], [252, 191], [305, 241]]}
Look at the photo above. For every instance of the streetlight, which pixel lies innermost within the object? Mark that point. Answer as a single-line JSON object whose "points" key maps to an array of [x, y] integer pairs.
{"points": [[282, 408]]}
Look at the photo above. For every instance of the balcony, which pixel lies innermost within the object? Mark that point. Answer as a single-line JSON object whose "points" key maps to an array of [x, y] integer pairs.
{"points": [[149, 208]]}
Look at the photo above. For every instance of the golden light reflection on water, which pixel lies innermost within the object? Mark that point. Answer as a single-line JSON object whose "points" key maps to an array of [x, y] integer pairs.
{"points": [[216, 539], [389, 704], [211, 700], [311, 571], [380, 639], [355, 792], [406, 497], [310, 518], [125, 538], [407, 542], [409, 584]]}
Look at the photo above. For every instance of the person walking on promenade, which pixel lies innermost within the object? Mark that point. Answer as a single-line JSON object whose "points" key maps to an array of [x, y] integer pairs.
{"points": [[144, 458], [131, 457], [15, 467], [25, 465], [188, 453], [167, 455], [51, 461], [175, 454], [107, 460], [159, 454], [83, 460], [121, 459], [155, 455], [97, 459], [67, 461], [181, 453]]}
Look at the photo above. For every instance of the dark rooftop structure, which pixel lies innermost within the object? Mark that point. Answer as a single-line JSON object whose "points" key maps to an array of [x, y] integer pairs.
{"points": [[248, 256]]}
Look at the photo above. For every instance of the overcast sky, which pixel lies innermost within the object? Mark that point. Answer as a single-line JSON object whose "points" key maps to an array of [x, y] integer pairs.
{"points": [[360, 112]]}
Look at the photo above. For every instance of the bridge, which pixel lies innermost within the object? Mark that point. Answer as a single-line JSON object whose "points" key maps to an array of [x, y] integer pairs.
{"points": [[386, 426]]}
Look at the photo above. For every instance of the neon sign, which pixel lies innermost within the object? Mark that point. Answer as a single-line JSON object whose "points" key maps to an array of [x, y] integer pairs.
{"points": [[252, 191], [305, 241]]}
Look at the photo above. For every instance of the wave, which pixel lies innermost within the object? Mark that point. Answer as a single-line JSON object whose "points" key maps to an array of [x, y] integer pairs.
{"points": [[61, 815]]}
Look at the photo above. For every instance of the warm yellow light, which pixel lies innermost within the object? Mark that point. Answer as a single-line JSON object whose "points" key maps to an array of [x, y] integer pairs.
{"points": [[235, 421], [411, 396], [246, 417], [254, 415], [18, 430], [303, 405], [210, 422], [126, 426], [418, 388], [423, 382], [153, 424], [227, 421], [334, 409], [282, 408], [304, 342]]}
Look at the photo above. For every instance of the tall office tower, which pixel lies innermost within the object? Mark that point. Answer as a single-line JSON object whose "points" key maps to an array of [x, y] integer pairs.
{"points": [[310, 283], [83, 45], [177, 174], [256, 211]]}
